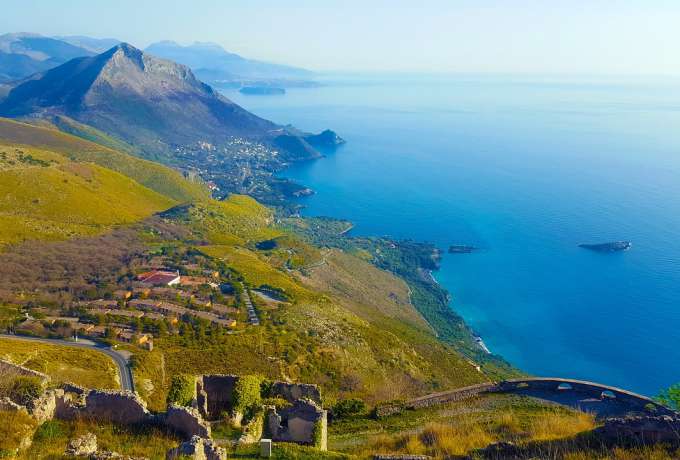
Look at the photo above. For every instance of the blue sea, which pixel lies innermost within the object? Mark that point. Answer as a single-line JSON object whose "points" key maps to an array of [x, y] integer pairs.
{"points": [[526, 168]]}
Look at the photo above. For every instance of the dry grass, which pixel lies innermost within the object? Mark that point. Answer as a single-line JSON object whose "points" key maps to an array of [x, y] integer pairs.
{"points": [[14, 428], [52, 437], [84, 367], [469, 431]]}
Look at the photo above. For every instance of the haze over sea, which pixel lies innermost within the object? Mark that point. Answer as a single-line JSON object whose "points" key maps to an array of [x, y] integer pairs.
{"points": [[525, 168]]}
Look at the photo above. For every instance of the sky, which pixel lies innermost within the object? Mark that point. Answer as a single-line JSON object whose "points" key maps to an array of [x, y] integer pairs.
{"points": [[612, 37]]}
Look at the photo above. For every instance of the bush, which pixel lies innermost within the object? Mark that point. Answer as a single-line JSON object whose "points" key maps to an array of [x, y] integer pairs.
{"points": [[671, 397], [247, 396], [182, 390], [349, 408], [25, 389]]}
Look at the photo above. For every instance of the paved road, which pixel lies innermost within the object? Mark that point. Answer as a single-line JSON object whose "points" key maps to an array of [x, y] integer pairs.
{"points": [[126, 382]]}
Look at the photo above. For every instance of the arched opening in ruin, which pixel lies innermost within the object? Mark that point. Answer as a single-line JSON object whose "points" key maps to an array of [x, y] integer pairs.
{"points": [[607, 394], [564, 387]]}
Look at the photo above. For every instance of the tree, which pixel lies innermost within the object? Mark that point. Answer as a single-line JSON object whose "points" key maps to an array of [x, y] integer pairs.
{"points": [[671, 397]]}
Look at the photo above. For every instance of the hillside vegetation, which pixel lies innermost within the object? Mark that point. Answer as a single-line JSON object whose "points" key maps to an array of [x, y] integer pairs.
{"points": [[43, 195], [342, 322], [346, 325], [154, 176]]}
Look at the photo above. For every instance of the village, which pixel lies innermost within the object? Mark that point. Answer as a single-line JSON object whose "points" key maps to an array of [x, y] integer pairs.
{"points": [[157, 301]]}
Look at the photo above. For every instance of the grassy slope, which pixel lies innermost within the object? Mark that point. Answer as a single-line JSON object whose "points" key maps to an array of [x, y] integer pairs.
{"points": [[50, 197], [88, 368], [459, 428], [152, 175]]}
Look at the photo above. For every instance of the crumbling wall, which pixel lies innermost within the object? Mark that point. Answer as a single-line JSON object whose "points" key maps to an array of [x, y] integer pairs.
{"points": [[122, 407], [9, 368], [215, 393], [44, 407], [186, 421], [304, 423], [197, 449], [219, 394], [294, 391]]}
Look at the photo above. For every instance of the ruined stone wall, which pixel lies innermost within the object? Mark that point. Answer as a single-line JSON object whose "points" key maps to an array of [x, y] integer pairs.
{"points": [[294, 391], [215, 394], [9, 368], [186, 421], [122, 407], [304, 423]]}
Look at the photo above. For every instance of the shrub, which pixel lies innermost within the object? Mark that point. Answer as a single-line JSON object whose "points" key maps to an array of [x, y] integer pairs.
{"points": [[349, 408], [182, 390], [25, 389], [247, 394]]}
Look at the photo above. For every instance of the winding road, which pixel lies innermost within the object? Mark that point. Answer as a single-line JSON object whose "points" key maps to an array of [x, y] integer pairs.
{"points": [[126, 382]]}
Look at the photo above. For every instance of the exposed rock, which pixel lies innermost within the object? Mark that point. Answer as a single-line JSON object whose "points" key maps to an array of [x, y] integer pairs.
{"points": [[502, 449], [44, 407], [198, 449], [187, 421], [641, 429], [8, 405], [82, 446], [107, 455], [400, 457]]}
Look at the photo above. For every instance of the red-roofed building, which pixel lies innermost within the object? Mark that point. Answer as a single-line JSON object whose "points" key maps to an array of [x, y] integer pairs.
{"points": [[159, 278]]}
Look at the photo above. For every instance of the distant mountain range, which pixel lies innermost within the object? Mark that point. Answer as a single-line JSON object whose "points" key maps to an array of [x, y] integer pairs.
{"points": [[214, 64], [96, 45], [24, 54]]}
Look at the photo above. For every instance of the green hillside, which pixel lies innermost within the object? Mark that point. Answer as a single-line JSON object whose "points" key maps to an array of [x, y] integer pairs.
{"points": [[152, 175], [43, 195]]}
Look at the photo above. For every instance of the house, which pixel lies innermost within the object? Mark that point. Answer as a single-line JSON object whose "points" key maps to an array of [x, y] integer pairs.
{"points": [[115, 312], [198, 281], [134, 338], [159, 278], [53, 319]]}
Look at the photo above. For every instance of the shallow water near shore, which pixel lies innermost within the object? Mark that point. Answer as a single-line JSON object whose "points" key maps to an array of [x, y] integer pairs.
{"points": [[525, 169]]}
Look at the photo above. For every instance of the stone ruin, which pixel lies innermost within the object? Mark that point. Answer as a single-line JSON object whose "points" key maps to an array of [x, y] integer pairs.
{"points": [[303, 422]]}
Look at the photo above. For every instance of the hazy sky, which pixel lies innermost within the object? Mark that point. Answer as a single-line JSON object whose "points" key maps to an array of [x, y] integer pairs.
{"points": [[525, 36]]}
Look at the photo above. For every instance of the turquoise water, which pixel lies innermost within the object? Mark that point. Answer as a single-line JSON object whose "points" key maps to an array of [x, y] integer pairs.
{"points": [[525, 169]]}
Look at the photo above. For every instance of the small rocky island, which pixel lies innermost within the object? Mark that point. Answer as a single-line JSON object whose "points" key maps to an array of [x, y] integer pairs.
{"points": [[461, 249], [615, 246], [261, 90]]}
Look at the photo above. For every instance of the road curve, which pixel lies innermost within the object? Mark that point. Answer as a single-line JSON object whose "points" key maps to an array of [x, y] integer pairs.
{"points": [[126, 382]]}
